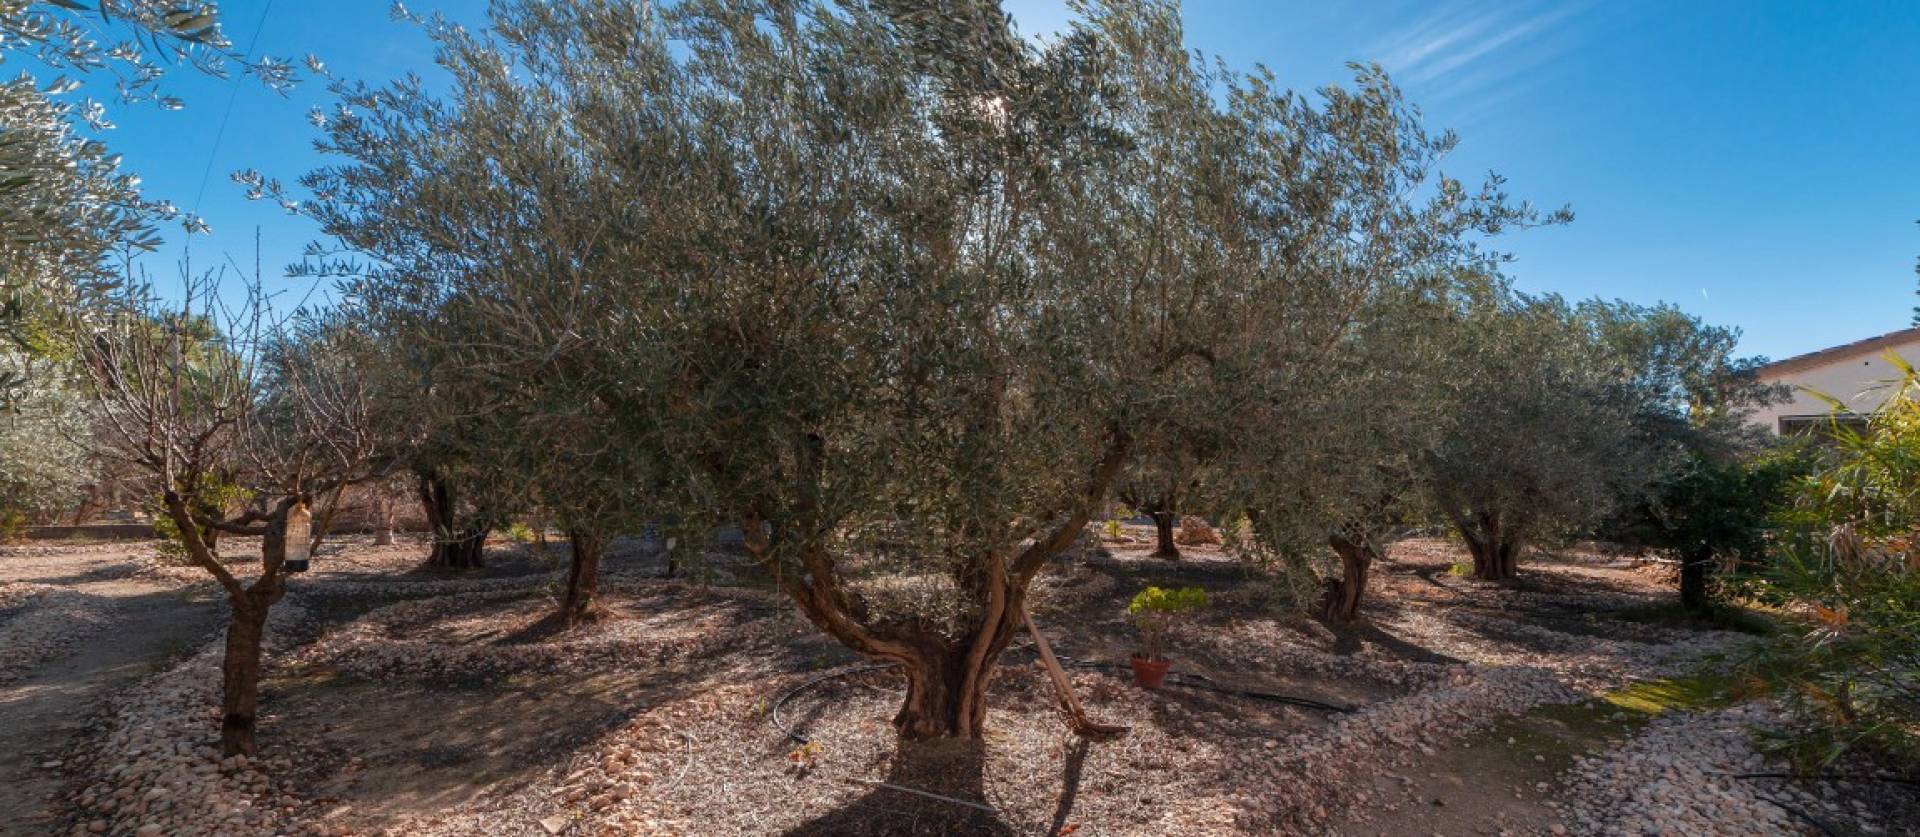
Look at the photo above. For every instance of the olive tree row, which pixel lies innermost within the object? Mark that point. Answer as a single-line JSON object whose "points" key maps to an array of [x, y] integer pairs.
{"points": [[893, 289], [1557, 417]]}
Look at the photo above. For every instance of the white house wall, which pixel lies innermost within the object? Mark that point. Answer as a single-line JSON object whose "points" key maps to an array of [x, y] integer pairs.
{"points": [[1853, 379]]}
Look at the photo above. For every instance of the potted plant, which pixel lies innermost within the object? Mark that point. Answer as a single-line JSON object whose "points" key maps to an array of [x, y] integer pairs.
{"points": [[1155, 611]]}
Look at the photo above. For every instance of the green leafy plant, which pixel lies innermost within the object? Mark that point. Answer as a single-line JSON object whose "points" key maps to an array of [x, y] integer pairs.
{"points": [[1156, 610], [1850, 571], [213, 496], [1112, 530], [520, 533]]}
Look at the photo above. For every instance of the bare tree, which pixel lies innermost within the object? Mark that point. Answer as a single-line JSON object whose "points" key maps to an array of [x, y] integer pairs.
{"points": [[261, 400]]}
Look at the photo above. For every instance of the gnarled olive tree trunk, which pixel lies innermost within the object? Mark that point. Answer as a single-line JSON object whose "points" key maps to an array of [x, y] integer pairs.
{"points": [[1344, 596], [1494, 543], [947, 673], [583, 577], [455, 546], [1163, 521]]}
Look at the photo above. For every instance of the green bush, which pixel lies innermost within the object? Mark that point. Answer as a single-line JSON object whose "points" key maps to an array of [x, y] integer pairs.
{"points": [[520, 533], [13, 524], [213, 497], [1156, 610], [1847, 569]]}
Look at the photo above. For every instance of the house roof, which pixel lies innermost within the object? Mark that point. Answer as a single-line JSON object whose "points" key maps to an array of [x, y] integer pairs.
{"points": [[1871, 345]]}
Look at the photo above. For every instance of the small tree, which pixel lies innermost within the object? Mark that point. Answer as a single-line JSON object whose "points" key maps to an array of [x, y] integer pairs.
{"points": [[1693, 396], [1710, 509], [1154, 484], [1540, 436], [273, 408]]}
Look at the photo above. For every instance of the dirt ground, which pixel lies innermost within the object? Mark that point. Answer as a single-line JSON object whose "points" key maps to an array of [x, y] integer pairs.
{"points": [[135, 627], [408, 702]]}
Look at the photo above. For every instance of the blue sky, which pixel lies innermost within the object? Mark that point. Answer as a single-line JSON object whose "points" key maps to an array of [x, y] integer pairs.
{"points": [[1755, 162]]}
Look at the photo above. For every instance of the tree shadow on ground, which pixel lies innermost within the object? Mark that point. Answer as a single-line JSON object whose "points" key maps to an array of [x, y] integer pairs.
{"points": [[1070, 784], [1351, 639], [947, 768]]}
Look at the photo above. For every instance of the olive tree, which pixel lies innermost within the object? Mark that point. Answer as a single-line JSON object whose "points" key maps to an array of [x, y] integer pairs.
{"points": [[1694, 397], [1157, 482], [1332, 467], [1545, 432], [894, 290], [42, 470]]}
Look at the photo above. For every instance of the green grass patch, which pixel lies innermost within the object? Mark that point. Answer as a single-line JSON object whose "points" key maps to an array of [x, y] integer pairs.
{"points": [[1626, 708], [1680, 693], [1460, 570]]}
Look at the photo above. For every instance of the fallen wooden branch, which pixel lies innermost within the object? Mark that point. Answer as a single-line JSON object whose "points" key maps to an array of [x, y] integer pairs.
{"points": [[1077, 719]]}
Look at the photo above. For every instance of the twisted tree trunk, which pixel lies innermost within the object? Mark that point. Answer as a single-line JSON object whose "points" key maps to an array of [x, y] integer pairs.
{"points": [[1344, 596], [1495, 546], [583, 578], [946, 675], [454, 546], [1163, 521]]}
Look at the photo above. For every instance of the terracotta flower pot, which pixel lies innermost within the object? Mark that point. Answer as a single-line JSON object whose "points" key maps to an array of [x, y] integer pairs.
{"points": [[1149, 673]]}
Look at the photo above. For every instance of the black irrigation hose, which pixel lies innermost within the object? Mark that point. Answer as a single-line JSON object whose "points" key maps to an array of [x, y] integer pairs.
{"points": [[773, 714], [1808, 818], [1191, 681]]}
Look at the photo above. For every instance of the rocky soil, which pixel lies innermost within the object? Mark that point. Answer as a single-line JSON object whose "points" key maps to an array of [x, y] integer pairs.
{"points": [[410, 703]]}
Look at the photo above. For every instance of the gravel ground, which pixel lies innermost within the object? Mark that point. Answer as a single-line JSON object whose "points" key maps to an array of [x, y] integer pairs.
{"points": [[39, 620], [405, 703], [1682, 775]]}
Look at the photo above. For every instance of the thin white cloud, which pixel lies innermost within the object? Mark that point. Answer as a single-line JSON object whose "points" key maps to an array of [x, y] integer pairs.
{"points": [[1467, 50]]}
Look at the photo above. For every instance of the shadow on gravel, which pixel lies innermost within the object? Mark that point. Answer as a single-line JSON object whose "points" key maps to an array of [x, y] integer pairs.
{"points": [[1350, 640], [953, 769]]}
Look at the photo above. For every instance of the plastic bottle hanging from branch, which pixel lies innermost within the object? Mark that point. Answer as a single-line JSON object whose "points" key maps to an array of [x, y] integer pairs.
{"points": [[299, 537]]}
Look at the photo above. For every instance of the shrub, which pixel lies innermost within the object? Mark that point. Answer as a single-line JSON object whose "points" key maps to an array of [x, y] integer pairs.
{"points": [[520, 533], [1156, 610], [1850, 572]]}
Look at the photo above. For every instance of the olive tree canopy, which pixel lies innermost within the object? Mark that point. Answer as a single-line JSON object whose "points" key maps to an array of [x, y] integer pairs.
{"points": [[891, 288]]}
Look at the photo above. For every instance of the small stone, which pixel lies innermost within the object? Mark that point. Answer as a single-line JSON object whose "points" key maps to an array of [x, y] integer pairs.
{"points": [[555, 824]]}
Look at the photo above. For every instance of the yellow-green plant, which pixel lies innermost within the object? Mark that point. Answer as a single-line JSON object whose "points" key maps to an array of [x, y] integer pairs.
{"points": [[520, 533], [213, 497], [1156, 610]]}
